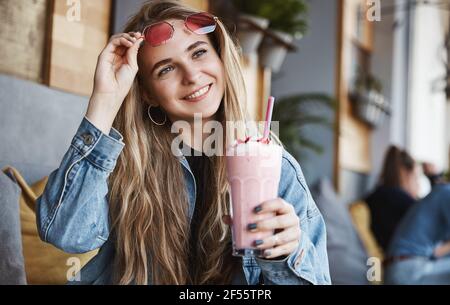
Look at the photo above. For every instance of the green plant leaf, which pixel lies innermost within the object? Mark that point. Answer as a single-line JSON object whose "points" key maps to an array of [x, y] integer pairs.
{"points": [[366, 81], [285, 15], [297, 111]]}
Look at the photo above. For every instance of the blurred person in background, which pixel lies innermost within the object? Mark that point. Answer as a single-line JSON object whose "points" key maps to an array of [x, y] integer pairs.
{"points": [[397, 191], [433, 174], [420, 249]]}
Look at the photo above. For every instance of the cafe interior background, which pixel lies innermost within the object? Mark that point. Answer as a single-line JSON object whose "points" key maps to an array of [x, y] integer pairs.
{"points": [[309, 56]]}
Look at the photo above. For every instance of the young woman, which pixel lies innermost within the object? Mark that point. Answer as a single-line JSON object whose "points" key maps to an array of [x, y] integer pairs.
{"points": [[158, 218], [397, 191]]}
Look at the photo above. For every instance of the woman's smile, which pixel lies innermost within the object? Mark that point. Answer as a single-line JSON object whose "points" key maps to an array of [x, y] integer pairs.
{"points": [[199, 94]]}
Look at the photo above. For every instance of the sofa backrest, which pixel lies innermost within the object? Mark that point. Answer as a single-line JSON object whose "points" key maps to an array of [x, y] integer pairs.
{"points": [[37, 124], [346, 254]]}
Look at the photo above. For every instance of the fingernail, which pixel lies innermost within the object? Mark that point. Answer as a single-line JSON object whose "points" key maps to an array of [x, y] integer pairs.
{"points": [[267, 253], [252, 226], [258, 209], [258, 242]]}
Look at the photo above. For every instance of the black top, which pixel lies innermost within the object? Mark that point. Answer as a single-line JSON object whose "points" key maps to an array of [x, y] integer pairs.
{"points": [[387, 207], [200, 165]]}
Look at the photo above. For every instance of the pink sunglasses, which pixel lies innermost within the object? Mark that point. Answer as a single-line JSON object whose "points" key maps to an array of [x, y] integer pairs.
{"points": [[199, 23]]}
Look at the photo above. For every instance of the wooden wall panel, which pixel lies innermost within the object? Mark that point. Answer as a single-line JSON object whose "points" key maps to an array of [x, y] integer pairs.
{"points": [[23, 24], [353, 135], [198, 4], [257, 81], [75, 45]]}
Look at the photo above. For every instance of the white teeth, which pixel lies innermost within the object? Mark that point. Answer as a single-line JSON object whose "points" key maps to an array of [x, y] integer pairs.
{"points": [[198, 93]]}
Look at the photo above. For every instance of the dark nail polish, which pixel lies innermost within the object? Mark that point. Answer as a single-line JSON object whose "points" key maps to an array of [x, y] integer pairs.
{"points": [[251, 226], [258, 242], [258, 209]]}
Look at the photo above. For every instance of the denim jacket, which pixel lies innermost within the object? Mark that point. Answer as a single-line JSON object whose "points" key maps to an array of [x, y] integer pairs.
{"points": [[73, 214]]}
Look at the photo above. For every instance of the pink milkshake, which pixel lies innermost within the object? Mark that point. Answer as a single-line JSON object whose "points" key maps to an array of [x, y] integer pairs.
{"points": [[253, 172]]}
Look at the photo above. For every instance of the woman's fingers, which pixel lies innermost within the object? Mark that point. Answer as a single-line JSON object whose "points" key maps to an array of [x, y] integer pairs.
{"points": [[282, 250], [285, 224], [131, 37], [274, 223], [135, 35], [282, 238], [278, 206], [117, 42], [133, 51], [128, 37], [229, 221], [122, 39], [122, 49]]}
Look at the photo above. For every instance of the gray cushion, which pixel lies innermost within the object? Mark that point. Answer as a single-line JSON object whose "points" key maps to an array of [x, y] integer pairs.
{"points": [[12, 267], [37, 125], [346, 254]]}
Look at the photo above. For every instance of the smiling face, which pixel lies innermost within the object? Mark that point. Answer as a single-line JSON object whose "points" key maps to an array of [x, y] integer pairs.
{"points": [[184, 75]]}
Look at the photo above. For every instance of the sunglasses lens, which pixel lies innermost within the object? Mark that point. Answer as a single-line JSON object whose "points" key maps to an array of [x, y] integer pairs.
{"points": [[158, 33], [201, 23]]}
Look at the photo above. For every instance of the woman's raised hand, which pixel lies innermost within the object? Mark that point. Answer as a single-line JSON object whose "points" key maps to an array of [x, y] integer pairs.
{"points": [[116, 69]]}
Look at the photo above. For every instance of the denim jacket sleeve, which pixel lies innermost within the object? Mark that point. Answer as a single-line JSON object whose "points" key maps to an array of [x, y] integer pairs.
{"points": [[308, 264], [72, 213]]}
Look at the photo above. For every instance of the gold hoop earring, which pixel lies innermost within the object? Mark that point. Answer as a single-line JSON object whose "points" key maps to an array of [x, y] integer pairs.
{"points": [[151, 118]]}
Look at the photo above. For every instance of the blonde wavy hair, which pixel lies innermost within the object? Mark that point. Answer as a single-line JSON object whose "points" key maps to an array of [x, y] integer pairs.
{"points": [[148, 197]]}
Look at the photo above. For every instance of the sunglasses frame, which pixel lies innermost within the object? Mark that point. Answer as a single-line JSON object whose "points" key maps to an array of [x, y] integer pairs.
{"points": [[214, 18]]}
